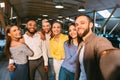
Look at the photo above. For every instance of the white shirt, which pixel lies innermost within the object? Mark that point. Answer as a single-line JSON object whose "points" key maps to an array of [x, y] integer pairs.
{"points": [[81, 56], [38, 46]]}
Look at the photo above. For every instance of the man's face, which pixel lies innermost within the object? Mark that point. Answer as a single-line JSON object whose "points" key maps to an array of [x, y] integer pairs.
{"points": [[82, 25], [46, 27], [31, 27]]}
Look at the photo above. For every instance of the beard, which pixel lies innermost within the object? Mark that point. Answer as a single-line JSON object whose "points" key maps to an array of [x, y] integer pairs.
{"points": [[31, 32], [84, 33]]}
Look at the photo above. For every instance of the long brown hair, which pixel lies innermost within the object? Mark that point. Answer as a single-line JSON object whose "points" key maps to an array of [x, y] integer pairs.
{"points": [[69, 41], [8, 41]]}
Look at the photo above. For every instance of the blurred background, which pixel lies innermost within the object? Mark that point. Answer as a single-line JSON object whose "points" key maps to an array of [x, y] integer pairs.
{"points": [[105, 14]]}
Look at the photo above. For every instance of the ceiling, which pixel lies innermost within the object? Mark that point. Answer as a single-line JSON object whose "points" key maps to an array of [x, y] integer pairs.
{"points": [[37, 8]]}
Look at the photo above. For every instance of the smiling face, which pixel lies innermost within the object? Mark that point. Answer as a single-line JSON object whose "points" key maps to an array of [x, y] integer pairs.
{"points": [[72, 32], [31, 26], [83, 25], [46, 27], [56, 29], [15, 33]]}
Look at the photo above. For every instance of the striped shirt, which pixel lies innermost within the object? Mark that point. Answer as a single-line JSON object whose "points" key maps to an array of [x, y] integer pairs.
{"points": [[20, 53]]}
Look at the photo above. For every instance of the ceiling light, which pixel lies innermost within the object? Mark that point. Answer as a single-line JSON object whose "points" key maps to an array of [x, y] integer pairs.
{"points": [[59, 6], [45, 15], [81, 8], [59, 20], [67, 18], [39, 19], [70, 19]]}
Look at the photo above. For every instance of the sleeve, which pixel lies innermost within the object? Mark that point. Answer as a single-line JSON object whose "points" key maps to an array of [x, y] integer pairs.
{"points": [[44, 52], [11, 61], [28, 51], [102, 44], [70, 58], [111, 59]]}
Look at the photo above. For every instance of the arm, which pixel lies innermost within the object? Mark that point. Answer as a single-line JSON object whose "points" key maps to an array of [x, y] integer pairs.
{"points": [[11, 66], [28, 51], [45, 57], [101, 45], [110, 64], [71, 59], [42, 35]]}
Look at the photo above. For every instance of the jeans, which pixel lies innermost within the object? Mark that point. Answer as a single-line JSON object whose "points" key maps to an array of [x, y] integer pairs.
{"points": [[65, 74], [20, 73], [51, 72]]}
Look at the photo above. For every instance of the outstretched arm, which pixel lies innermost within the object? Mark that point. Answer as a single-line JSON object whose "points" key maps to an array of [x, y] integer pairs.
{"points": [[110, 64]]}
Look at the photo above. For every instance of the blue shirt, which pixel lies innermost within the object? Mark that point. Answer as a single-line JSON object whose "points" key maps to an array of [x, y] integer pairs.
{"points": [[69, 62]]}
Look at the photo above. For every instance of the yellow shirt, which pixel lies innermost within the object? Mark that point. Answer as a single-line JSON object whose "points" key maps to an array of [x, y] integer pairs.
{"points": [[57, 47]]}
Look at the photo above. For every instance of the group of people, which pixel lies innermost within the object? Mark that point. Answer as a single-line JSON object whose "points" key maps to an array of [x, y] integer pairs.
{"points": [[56, 56]]}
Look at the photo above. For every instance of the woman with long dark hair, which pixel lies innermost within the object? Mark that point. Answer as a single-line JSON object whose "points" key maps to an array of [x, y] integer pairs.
{"points": [[68, 68], [16, 49]]}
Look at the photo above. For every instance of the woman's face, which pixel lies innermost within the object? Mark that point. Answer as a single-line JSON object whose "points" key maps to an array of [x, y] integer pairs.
{"points": [[56, 29], [15, 33], [72, 31]]}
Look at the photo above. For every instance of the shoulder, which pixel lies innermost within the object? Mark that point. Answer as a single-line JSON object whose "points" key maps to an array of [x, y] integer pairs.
{"points": [[102, 39], [24, 34], [64, 36], [102, 42], [66, 45]]}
